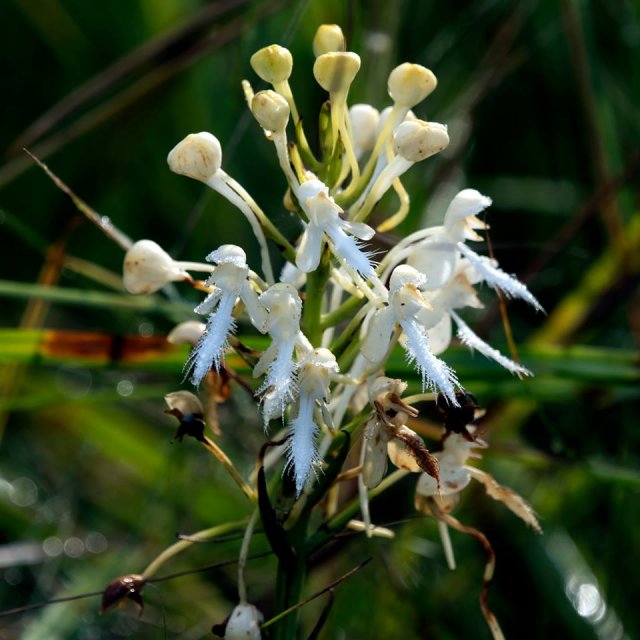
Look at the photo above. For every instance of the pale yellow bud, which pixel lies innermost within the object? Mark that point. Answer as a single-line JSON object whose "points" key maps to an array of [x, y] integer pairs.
{"points": [[148, 267], [416, 140], [271, 110], [273, 63], [336, 71], [198, 156], [409, 84], [328, 38]]}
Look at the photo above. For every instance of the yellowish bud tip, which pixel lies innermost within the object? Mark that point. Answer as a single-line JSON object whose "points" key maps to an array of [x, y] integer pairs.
{"points": [[336, 71], [271, 110], [273, 63], [198, 156], [409, 84], [416, 140], [328, 38]]}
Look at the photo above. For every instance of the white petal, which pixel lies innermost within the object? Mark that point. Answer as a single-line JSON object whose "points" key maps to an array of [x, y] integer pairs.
{"points": [[265, 360], [436, 374], [303, 451], [257, 313], [440, 335], [453, 479], [498, 279], [436, 259], [210, 348], [359, 230], [350, 251], [378, 335], [465, 204], [427, 486], [473, 341], [209, 303], [310, 249], [280, 384]]}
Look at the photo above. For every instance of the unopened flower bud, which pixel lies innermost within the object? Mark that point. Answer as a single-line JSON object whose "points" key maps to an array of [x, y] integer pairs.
{"points": [[416, 140], [244, 623], [336, 71], [198, 156], [364, 123], [148, 267], [328, 38], [188, 332], [271, 110], [185, 403], [273, 63], [409, 84]]}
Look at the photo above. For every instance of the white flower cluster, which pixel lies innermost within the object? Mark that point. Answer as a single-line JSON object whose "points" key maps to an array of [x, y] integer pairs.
{"points": [[335, 316], [411, 297]]}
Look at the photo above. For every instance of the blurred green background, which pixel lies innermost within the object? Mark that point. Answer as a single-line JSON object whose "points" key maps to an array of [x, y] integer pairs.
{"points": [[541, 99]]}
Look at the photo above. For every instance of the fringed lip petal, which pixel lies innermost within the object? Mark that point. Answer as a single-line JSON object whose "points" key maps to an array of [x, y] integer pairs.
{"points": [[498, 279]]}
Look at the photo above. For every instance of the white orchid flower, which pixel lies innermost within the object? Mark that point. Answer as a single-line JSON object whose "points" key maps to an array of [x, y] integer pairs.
{"points": [[230, 281], [324, 220], [404, 311], [314, 377], [283, 325], [437, 256]]}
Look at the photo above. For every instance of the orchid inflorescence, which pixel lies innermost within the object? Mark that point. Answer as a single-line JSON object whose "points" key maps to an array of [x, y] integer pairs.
{"points": [[340, 305]]}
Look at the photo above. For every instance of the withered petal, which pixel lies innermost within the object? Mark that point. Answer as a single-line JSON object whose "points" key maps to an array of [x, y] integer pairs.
{"points": [[121, 589]]}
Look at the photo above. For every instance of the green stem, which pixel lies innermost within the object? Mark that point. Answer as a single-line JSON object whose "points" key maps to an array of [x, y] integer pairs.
{"points": [[289, 584], [339, 521], [314, 297], [288, 590], [182, 545], [342, 341], [349, 355], [344, 312], [88, 298]]}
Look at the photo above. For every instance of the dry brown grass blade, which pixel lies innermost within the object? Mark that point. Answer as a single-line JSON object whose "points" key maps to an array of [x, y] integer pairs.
{"points": [[489, 569], [102, 222], [36, 313]]}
